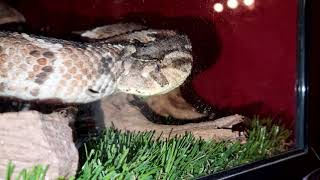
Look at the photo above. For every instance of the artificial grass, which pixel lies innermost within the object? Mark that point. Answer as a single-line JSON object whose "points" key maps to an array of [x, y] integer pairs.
{"points": [[36, 173], [139, 155]]}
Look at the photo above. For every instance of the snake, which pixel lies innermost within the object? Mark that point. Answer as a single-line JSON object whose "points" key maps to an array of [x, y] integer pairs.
{"points": [[123, 57]]}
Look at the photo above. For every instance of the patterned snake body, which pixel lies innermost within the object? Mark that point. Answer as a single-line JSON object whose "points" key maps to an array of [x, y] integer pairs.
{"points": [[128, 58]]}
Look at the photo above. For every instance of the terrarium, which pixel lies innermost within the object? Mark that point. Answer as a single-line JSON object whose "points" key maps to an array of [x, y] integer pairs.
{"points": [[142, 89]]}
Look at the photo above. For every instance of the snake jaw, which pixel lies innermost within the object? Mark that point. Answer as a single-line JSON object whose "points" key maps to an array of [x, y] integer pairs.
{"points": [[157, 77]]}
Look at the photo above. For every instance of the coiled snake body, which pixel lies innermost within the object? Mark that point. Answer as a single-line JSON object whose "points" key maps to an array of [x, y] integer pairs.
{"points": [[126, 57]]}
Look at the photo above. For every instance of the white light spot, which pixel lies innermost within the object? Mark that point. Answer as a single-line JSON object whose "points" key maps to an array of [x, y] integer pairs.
{"points": [[218, 7], [248, 2], [233, 4]]}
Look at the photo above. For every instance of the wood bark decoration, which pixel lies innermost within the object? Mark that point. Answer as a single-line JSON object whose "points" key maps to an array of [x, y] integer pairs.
{"points": [[118, 112], [9, 15]]}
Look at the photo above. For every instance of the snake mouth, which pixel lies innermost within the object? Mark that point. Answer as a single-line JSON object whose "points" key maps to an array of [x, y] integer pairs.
{"points": [[157, 77]]}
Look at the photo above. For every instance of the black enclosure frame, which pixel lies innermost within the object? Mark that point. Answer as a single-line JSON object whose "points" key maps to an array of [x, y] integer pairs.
{"points": [[297, 163]]}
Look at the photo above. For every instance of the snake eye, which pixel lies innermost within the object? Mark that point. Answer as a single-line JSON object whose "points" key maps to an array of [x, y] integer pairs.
{"points": [[138, 43]]}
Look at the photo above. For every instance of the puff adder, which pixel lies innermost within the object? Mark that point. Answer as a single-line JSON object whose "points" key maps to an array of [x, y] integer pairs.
{"points": [[122, 58]]}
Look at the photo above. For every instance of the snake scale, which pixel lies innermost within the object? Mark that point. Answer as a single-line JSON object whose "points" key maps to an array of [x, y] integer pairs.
{"points": [[125, 57]]}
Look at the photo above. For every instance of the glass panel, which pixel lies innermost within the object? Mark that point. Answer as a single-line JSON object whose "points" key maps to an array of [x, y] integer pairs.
{"points": [[162, 89]]}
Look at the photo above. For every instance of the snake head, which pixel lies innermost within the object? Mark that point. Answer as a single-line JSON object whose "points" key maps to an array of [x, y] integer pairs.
{"points": [[153, 62]]}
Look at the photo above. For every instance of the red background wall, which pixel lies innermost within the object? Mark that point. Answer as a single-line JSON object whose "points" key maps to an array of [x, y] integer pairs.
{"points": [[247, 56]]}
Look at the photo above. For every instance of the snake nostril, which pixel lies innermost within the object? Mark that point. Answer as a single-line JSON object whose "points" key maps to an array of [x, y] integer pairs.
{"points": [[157, 68]]}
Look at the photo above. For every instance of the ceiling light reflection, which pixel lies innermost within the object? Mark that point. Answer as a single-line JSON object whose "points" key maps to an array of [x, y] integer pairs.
{"points": [[233, 4], [218, 7]]}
